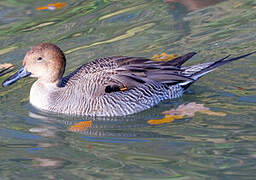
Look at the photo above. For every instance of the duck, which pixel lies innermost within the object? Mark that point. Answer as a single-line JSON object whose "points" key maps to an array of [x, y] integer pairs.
{"points": [[108, 86]]}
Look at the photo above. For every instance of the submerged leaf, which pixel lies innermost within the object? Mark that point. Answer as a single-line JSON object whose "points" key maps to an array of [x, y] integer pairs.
{"points": [[191, 108], [184, 110], [187, 109]]}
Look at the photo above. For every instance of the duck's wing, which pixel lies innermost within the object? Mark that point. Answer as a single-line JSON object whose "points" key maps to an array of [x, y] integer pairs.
{"points": [[119, 73]]}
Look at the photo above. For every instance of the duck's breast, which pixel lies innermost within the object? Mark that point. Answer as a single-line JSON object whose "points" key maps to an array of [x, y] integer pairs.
{"points": [[39, 95]]}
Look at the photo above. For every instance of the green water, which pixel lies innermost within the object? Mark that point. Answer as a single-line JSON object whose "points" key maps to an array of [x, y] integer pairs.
{"points": [[36, 145]]}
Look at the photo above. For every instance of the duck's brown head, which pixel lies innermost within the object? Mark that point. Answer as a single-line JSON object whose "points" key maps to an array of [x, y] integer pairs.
{"points": [[44, 61]]}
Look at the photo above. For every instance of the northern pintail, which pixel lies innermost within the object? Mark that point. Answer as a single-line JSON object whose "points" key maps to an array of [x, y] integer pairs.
{"points": [[110, 86]]}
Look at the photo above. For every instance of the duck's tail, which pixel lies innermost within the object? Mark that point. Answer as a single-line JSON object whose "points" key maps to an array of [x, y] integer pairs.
{"points": [[196, 71]]}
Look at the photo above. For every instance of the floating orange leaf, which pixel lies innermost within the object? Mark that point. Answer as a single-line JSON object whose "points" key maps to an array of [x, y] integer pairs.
{"points": [[167, 119], [53, 6], [81, 126], [164, 57]]}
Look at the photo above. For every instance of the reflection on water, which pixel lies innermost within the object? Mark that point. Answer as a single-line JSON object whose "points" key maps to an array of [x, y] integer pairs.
{"points": [[192, 5], [122, 127], [216, 142], [5, 71]]}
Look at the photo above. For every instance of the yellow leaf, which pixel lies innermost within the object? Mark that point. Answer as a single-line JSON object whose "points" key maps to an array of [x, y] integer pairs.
{"points": [[163, 54], [164, 57], [155, 56]]}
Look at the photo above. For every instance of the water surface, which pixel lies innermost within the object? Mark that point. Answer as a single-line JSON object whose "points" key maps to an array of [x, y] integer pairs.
{"points": [[35, 144]]}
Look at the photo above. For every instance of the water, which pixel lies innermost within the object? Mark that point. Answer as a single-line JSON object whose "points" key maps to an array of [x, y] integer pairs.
{"points": [[39, 145]]}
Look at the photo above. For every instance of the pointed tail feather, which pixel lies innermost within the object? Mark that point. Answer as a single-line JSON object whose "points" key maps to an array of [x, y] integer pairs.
{"points": [[216, 64]]}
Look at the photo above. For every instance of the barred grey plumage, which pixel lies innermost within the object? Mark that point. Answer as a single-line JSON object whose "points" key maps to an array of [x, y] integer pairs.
{"points": [[111, 86], [148, 83]]}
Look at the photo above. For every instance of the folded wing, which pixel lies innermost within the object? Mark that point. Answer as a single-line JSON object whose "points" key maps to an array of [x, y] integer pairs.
{"points": [[119, 73]]}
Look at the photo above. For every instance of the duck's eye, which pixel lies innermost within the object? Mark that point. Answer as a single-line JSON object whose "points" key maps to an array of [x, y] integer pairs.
{"points": [[39, 59]]}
